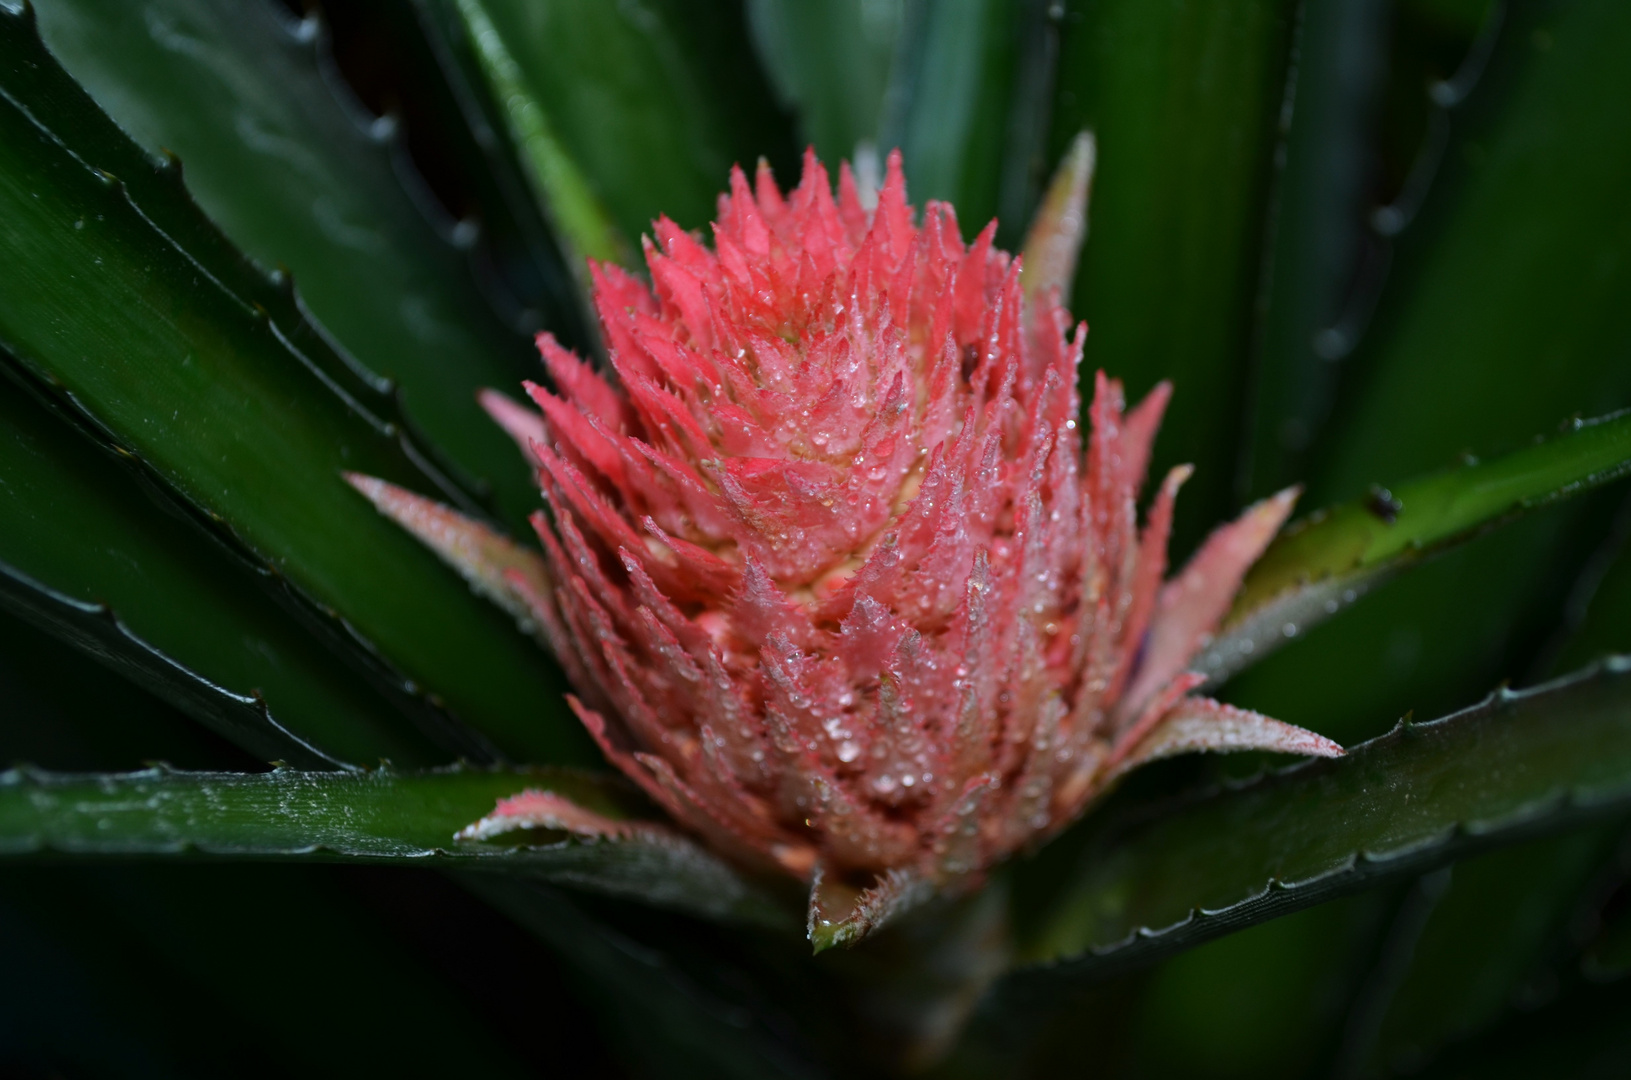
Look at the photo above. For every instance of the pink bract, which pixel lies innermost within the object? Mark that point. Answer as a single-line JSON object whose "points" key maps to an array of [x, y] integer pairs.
{"points": [[838, 582]]}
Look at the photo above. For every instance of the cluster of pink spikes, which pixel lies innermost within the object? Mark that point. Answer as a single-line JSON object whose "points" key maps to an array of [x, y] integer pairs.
{"points": [[838, 583]]}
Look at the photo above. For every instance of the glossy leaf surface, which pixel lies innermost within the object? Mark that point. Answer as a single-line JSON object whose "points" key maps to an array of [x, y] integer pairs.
{"points": [[1419, 797], [379, 815], [232, 409], [969, 102], [280, 155], [830, 65], [87, 555], [653, 103], [1183, 99], [1320, 565], [1506, 293]]}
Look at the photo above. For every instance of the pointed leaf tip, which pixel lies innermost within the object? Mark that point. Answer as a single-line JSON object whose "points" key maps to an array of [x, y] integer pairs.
{"points": [[536, 808], [486, 559], [1060, 226], [520, 423], [1201, 725]]}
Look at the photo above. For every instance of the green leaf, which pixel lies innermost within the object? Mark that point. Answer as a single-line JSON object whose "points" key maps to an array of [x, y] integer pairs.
{"points": [[293, 171], [383, 815], [86, 555], [1501, 317], [231, 403], [453, 127], [558, 183], [1517, 765], [71, 711], [830, 64], [1320, 265], [1184, 101], [1597, 619], [1324, 563], [648, 105], [968, 106], [1510, 290]]}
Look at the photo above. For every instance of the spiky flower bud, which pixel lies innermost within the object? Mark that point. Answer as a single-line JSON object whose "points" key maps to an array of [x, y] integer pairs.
{"points": [[837, 580]]}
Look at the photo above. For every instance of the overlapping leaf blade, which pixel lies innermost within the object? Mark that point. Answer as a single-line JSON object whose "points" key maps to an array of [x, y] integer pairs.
{"points": [[381, 815], [1492, 932], [1425, 794], [830, 64], [86, 552], [651, 104], [1319, 566], [1184, 100], [299, 177], [970, 97], [223, 394], [1501, 318]]}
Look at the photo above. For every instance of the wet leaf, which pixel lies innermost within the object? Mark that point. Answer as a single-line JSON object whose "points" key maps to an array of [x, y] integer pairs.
{"points": [[650, 104], [1184, 101], [1424, 795], [85, 555], [383, 815], [301, 179], [968, 106], [830, 65], [1322, 564], [1501, 317], [211, 383]]}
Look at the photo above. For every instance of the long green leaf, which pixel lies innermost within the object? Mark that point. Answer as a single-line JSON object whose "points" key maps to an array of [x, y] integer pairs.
{"points": [[378, 816], [221, 393], [968, 106], [647, 106], [299, 178], [1320, 266], [1501, 318], [560, 186], [67, 709], [87, 556], [1184, 100], [1424, 795], [1323, 564], [830, 64]]}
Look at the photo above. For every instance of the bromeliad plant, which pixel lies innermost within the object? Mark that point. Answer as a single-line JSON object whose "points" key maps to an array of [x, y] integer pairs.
{"points": [[847, 588], [830, 552]]}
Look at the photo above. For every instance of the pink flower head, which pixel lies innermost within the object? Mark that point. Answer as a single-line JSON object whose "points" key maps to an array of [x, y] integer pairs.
{"points": [[838, 581]]}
